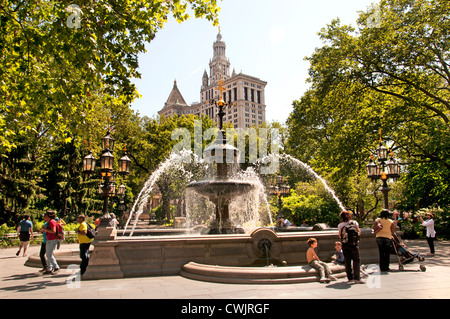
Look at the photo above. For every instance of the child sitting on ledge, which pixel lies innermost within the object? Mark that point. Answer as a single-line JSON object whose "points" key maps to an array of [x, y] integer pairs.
{"points": [[314, 261]]}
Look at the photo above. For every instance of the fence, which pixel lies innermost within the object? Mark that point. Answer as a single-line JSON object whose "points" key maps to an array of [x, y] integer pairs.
{"points": [[12, 239]]}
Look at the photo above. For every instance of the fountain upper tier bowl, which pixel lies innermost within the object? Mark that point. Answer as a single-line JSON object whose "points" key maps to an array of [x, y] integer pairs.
{"points": [[214, 189]]}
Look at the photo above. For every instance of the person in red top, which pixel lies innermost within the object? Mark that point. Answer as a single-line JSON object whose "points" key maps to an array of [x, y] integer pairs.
{"points": [[50, 230]]}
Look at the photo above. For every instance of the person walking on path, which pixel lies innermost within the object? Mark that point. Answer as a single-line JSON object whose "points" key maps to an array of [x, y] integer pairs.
{"points": [[24, 232], [314, 261], [52, 241], [84, 242], [384, 237], [43, 250], [349, 233], [431, 233]]}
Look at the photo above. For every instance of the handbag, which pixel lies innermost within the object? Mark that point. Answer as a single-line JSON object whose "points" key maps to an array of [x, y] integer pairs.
{"points": [[377, 227]]}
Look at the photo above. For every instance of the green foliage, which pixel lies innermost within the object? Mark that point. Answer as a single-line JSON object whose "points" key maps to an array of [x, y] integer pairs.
{"points": [[61, 85], [311, 203], [413, 230], [392, 77]]}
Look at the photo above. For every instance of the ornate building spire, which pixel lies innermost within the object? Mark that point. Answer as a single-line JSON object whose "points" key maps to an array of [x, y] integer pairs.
{"points": [[219, 65]]}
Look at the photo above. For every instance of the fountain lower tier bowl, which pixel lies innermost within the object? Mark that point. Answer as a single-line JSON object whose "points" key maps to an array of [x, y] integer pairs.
{"points": [[221, 189]]}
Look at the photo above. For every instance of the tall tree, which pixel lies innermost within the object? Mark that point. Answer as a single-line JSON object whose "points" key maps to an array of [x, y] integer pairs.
{"points": [[391, 75], [62, 67]]}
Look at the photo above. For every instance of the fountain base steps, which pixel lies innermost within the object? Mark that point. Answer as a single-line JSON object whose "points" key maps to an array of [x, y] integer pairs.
{"points": [[64, 258], [256, 275]]}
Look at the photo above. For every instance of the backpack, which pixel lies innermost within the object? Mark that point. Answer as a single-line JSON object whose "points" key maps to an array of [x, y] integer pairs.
{"points": [[350, 234], [59, 232], [90, 233]]}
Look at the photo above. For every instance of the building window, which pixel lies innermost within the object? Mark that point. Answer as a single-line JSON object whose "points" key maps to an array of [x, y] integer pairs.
{"points": [[246, 94], [235, 94], [258, 93]]}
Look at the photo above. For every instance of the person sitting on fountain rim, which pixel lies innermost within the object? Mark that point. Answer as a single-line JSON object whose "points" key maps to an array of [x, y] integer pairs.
{"points": [[314, 261], [338, 256]]}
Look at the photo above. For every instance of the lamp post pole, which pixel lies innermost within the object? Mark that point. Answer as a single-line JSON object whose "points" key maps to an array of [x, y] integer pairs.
{"points": [[279, 190], [384, 170], [108, 187]]}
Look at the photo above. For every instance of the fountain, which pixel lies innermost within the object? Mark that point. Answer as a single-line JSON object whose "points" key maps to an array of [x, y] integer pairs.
{"points": [[222, 190], [229, 250]]}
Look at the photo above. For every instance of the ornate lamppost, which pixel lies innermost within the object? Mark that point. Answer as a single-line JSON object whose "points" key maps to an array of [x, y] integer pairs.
{"points": [[108, 187], [383, 170], [279, 188]]}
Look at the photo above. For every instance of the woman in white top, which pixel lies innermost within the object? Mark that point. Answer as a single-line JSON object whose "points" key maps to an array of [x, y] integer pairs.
{"points": [[431, 233]]}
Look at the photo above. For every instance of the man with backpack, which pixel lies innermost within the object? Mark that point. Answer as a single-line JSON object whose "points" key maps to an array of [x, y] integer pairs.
{"points": [[350, 233], [84, 239]]}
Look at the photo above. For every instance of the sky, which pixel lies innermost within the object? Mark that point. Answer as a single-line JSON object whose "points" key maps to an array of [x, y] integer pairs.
{"points": [[267, 39]]}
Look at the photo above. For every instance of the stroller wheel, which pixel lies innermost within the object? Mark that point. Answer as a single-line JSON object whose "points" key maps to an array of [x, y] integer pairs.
{"points": [[423, 268], [401, 268]]}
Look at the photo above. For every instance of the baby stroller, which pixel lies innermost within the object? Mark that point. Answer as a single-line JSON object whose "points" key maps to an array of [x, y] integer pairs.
{"points": [[404, 256]]}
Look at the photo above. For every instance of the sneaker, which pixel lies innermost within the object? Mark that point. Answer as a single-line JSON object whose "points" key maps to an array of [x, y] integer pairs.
{"points": [[17, 254], [332, 278], [359, 282], [324, 280], [49, 272]]}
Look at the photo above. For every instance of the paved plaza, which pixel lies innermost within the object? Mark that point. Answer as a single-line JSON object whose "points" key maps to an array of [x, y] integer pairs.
{"points": [[22, 282]]}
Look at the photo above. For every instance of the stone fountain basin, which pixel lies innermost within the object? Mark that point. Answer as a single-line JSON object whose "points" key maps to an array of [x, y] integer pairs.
{"points": [[255, 275], [212, 257], [221, 188]]}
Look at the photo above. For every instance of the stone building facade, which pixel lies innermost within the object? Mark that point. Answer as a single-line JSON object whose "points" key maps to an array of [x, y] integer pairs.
{"points": [[246, 93]]}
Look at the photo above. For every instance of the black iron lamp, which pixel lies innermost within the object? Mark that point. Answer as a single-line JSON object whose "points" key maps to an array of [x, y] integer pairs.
{"points": [[393, 168], [385, 169], [108, 142], [89, 163], [107, 187], [372, 170], [121, 190], [107, 162], [382, 152], [124, 165]]}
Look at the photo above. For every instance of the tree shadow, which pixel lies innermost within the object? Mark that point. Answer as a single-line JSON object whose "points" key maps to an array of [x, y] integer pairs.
{"points": [[33, 285]]}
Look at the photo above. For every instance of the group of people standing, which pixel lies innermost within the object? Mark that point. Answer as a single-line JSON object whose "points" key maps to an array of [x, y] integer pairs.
{"points": [[51, 240], [347, 250]]}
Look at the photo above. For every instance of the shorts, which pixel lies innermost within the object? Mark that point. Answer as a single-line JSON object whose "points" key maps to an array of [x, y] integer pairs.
{"points": [[24, 236]]}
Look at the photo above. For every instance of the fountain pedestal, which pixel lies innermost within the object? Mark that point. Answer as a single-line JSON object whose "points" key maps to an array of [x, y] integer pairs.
{"points": [[104, 262]]}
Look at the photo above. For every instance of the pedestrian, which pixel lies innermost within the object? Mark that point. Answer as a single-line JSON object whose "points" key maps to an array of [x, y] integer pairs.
{"points": [[338, 256], [384, 237], [314, 261], [431, 233], [42, 251], [50, 231], [349, 233], [24, 232], [84, 241]]}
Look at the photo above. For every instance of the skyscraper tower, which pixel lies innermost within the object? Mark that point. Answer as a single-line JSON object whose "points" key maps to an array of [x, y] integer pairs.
{"points": [[245, 92]]}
